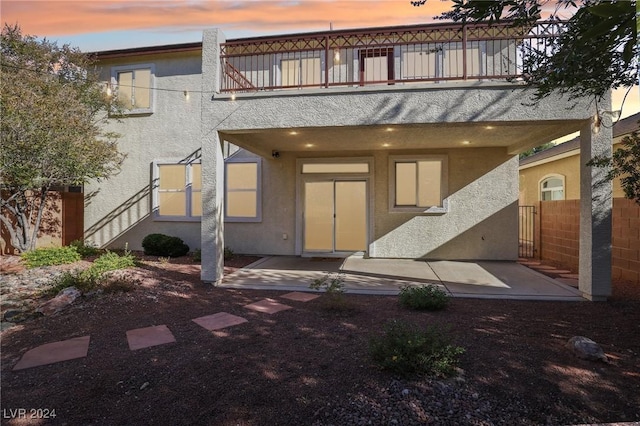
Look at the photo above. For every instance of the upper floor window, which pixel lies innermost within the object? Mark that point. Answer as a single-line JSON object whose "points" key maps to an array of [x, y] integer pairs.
{"points": [[418, 183], [552, 188], [134, 87], [177, 191], [243, 190]]}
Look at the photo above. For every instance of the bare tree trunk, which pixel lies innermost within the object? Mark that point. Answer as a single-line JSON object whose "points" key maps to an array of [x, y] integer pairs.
{"points": [[23, 208], [41, 207]]}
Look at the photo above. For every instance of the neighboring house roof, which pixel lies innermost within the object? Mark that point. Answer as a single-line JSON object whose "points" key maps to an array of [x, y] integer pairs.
{"points": [[147, 50], [622, 127]]}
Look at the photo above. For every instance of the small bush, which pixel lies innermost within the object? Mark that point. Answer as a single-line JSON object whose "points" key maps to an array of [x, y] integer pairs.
{"points": [[111, 261], [164, 245], [425, 297], [93, 277], [407, 350], [333, 286], [80, 279], [197, 256], [50, 256], [228, 253], [85, 250]]}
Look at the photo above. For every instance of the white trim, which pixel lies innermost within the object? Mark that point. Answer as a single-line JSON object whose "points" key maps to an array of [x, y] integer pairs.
{"points": [[258, 217], [555, 188], [444, 186], [155, 206], [152, 86]]}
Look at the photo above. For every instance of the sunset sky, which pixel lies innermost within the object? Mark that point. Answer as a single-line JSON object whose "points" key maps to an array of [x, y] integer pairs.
{"points": [[100, 25], [115, 24]]}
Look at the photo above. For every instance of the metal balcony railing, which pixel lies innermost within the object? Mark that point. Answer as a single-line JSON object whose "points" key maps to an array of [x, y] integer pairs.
{"points": [[391, 55]]}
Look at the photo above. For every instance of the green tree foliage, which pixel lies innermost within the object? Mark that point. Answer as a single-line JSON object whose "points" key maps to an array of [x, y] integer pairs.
{"points": [[537, 149], [53, 108], [625, 165]]}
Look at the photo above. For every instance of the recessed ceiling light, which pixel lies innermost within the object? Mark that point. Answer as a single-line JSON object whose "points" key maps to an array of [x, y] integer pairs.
{"points": [[309, 145], [386, 144], [489, 127], [293, 132], [389, 129], [465, 142]]}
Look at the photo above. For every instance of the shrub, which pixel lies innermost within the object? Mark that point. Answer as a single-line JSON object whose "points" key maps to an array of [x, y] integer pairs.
{"points": [[197, 255], [425, 297], [407, 350], [164, 245], [85, 250], [111, 261], [92, 277], [80, 279], [50, 256], [228, 253], [333, 287]]}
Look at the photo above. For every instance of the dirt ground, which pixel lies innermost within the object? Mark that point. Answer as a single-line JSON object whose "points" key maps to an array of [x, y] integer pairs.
{"points": [[308, 365]]}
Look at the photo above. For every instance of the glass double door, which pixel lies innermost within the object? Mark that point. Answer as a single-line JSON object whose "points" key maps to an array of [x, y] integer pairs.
{"points": [[335, 216]]}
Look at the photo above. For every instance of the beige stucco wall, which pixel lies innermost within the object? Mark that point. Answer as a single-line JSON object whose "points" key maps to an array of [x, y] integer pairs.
{"points": [[568, 167], [482, 197], [118, 210], [531, 178]]}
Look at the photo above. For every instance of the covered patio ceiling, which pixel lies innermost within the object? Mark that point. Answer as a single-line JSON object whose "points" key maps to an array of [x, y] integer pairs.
{"points": [[516, 137]]}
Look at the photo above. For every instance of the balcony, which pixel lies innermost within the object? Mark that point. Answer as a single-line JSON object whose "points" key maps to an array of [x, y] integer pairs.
{"points": [[381, 56]]}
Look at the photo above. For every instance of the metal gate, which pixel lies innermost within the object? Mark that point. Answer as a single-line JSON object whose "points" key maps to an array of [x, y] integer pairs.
{"points": [[526, 231]]}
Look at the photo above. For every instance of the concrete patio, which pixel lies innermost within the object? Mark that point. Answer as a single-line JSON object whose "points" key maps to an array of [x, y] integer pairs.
{"points": [[487, 279]]}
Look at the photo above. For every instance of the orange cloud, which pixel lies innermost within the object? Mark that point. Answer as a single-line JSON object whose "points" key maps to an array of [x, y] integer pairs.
{"points": [[55, 18]]}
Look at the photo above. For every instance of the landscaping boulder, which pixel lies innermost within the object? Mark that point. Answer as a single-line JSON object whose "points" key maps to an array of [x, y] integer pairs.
{"points": [[66, 297], [585, 348]]}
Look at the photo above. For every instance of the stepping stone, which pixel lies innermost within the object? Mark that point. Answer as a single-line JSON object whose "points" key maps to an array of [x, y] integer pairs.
{"points": [[553, 273], [149, 336], [299, 296], [54, 352], [218, 321], [570, 276], [268, 306], [542, 267]]}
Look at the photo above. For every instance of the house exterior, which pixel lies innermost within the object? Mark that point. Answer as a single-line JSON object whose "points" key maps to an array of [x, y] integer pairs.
{"points": [[554, 174], [397, 142], [550, 183]]}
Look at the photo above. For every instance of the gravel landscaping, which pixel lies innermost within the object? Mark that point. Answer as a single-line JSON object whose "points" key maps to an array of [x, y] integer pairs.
{"points": [[308, 365]]}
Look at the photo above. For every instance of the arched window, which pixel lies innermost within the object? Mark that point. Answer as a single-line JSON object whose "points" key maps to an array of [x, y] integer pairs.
{"points": [[552, 188]]}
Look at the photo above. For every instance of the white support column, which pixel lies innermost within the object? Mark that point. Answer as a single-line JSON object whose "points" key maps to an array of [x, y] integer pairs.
{"points": [[212, 231], [212, 210], [595, 215]]}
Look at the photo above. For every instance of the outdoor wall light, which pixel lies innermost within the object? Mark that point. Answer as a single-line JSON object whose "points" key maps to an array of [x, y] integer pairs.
{"points": [[275, 154], [233, 96], [109, 92], [186, 95]]}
